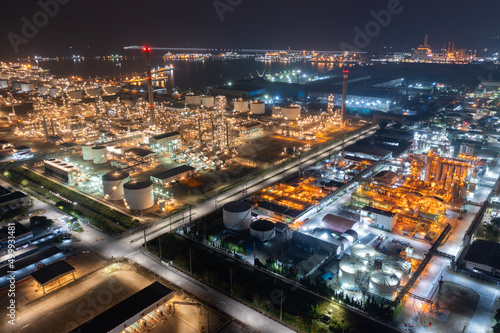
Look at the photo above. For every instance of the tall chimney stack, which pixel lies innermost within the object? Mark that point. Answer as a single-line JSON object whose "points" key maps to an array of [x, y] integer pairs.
{"points": [[344, 95], [426, 39], [147, 51]]}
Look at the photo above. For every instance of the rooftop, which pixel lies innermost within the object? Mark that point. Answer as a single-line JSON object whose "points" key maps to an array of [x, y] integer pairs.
{"points": [[166, 135], [173, 172], [118, 314], [51, 272], [484, 252]]}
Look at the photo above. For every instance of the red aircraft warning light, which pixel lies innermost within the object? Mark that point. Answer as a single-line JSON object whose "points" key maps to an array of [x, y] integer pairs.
{"points": [[146, 49]]}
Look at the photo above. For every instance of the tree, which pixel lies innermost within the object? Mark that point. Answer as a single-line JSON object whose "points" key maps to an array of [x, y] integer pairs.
{"points": [[25, 182]]}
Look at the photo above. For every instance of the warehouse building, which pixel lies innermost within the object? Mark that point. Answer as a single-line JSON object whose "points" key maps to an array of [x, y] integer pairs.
{"points": [[483, 258], [129, 311], [378, 218], [168, 142], [12, 200], [164, 178], [52, 275]]}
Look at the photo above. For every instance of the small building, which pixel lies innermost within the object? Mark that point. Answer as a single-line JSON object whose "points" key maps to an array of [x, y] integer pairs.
{"points": [[12, 200], [168, 142], [140, 153], [378, 218], [338, 223], [367, 152], [483, 257], [307, 267], [4, 144], [21, 233], [59, 169], [250, 128], [129, 311], [165, 177], [386, 177], [52, 275], [283, 213]]}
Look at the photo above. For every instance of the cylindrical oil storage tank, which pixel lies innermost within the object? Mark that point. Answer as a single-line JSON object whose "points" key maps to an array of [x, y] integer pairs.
{"points": [[139, 194], [257, 107], [75, 94], [112, 184], [99, 154], [240, 105], [398, 266], [43, 90], [87, 152], [192, 99], [345, 242], [110, 90], [351, 235], [262, 229], [291, 112], [382, 283], [27, 87], [208, 101], [93, 92], [362, 251], [237, 215], [276, 111], [348, 272], [54, 92]]}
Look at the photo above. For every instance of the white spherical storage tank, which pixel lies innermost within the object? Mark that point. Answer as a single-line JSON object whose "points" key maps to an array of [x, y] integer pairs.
{"points": [[237, 215], [291, 112], [139, 194], [262, 229], [87, 152], [208, 101], [240, 105], [257, 107], [362, 251], [99, 154], [397, 266], [382, 283], [112, 184], [348, 272]]}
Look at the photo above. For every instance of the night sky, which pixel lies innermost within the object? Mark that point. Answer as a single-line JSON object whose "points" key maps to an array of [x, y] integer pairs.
{"points": [[103, 27]]}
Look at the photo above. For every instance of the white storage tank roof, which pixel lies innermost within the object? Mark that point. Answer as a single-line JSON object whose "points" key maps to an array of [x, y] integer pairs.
{"points": [[112, 184], [237, 215], [383, 283], [398, 266], [362, 251], [139, 194], [348, 272], [262, 229]]}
